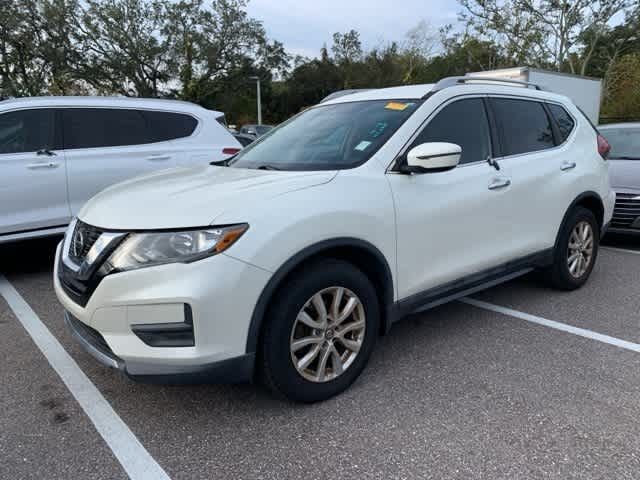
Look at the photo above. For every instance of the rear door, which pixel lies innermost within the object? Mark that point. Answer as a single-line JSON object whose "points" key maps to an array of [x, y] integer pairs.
{"points": [[537, 153], [104, 146], [33, 183]]}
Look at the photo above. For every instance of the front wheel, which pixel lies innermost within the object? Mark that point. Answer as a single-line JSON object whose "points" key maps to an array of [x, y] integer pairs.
{"points": [[576, 251], [320, 331]]}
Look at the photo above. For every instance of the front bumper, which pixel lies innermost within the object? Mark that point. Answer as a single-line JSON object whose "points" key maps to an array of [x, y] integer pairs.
{"points": [[233, 370], [221, 293]]}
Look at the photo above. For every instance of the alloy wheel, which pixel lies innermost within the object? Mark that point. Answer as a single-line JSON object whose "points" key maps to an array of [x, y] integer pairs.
{"points": [[580, 250], [327, 335]]}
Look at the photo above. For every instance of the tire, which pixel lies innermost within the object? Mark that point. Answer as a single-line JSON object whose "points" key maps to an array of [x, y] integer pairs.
{"points": [[286, 324], [559, 274]]}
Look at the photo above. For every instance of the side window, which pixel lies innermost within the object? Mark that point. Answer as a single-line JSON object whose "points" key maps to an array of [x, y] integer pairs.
{"points": [[524, 125], [26, 131], [165, 126], [103, 127], [464, 123], [563, 119]]}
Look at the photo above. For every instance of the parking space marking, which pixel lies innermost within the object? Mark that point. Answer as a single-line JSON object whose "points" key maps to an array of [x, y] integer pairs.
{"points": [[622, 250], [635, 347], [131, 454]]}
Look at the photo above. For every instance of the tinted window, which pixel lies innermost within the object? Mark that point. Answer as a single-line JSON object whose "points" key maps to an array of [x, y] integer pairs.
{"points": [[563, 119], [165, 126], [464, 123], [329, 136], [625, 142], [101, 127], [524, 126], [26, 131]]}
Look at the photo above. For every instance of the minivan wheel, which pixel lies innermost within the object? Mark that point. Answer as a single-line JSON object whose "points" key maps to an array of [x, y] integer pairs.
{"points": [[576, 251], [320, 333]]}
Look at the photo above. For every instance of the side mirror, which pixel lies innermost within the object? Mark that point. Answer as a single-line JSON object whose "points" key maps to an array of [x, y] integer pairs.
{"points": [[433, 157]]}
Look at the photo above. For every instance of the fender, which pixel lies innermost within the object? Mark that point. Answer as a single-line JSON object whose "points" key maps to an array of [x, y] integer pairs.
{"points": [[580, 198], [285, 269]]}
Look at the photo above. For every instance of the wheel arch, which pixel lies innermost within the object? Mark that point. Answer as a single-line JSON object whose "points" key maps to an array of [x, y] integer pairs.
{"points": [[360, 253], [589, 200]]}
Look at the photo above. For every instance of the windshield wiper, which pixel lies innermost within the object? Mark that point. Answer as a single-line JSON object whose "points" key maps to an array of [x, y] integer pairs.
{"points": [[267, 167], [624, 157]]}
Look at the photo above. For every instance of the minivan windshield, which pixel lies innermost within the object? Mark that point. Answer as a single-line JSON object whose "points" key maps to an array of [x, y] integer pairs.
{"points": [[625, 142], [328, 137]]}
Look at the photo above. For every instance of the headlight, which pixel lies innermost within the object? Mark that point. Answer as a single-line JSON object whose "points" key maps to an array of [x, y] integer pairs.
{"points": [[140, 250]]}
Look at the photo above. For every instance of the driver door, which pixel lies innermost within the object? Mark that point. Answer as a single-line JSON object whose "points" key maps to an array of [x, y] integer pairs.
{"points": [[456, 223]]}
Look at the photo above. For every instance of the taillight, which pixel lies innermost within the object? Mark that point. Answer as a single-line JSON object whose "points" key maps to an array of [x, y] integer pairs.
{"points": [[231, 150], [603, 147]]}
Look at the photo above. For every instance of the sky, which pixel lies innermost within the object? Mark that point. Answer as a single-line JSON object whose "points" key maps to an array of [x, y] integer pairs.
{"points": [[303, 26]]}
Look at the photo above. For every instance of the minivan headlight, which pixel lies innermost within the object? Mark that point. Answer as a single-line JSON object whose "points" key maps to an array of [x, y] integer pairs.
{"points": [[140, 250]]}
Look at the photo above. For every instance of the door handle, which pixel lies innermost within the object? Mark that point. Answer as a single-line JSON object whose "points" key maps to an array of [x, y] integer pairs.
{"points": [[47, 152], [498, 183], [158, 157], [567, 166], [37, 165]]}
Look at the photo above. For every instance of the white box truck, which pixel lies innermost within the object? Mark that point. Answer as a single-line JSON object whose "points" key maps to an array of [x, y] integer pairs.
{"points": [[584, 91]]}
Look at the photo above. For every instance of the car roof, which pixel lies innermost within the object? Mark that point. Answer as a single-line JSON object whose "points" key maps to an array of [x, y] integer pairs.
{"points": [[619, 125], [98, 101]]}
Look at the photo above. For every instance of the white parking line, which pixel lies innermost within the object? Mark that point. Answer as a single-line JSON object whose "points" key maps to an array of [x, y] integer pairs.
{"points": [[133, 457], [622, 250], [553, 324]]}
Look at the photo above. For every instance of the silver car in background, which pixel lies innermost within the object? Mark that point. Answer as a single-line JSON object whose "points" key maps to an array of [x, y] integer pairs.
{"points": [[624, 172]]}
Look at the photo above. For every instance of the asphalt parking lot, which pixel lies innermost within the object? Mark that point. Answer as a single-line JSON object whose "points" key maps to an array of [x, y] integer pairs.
{"points": [[462, 391]]}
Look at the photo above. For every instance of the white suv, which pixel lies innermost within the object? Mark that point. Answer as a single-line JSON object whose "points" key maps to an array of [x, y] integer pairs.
{"points": [[57, 152], [287, 264]]}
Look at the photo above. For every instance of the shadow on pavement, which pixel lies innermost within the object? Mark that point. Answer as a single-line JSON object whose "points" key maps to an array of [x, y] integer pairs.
{"points": [[28, 256]]}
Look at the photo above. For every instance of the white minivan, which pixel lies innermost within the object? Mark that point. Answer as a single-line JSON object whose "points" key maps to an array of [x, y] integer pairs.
{"points": [[57, 152]]}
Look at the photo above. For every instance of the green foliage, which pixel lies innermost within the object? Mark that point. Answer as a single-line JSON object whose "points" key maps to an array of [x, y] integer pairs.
{"points": [[623, 92], [208, 51]]}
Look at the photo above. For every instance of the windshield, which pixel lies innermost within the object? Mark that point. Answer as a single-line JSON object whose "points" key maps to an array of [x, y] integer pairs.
{"points": [[328, 137], [625, 142]]}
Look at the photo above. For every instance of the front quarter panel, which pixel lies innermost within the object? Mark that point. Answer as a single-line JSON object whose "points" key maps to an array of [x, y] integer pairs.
{"points": [[356, 204]]}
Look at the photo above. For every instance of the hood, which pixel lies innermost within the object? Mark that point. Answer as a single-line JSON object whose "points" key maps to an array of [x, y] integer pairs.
{"points": [[624, 174], [190, 197]]}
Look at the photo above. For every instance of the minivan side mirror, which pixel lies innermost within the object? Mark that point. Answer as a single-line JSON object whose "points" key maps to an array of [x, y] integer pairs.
{"points": [[432, 157]]}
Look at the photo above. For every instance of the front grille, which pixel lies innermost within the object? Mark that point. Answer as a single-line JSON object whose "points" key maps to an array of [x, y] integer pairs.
{"points": [[626, 211], [83, 238]]}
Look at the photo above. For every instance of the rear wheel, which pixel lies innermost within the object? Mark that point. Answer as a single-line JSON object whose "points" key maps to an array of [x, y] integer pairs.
{"points": [[320, 332], [576, 250]]}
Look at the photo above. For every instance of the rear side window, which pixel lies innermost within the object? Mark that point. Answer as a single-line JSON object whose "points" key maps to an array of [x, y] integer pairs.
{"points": [[103, 127], [464, 123], [523, 124], [165, 126], [26, 131], [563, 119]]}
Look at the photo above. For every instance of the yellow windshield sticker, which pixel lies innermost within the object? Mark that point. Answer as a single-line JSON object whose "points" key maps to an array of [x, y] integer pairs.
{"points": [[396, 106]]}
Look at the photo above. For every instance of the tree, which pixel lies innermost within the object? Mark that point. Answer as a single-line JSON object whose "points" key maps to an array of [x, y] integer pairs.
{"points": [[542, 33], [347, 51], [419, 45], [121, 47], [213, 44], [622, 94], [23, 71]]}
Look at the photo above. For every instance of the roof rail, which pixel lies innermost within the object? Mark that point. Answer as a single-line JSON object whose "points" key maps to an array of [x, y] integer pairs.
{"points": [[453, 81]]}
